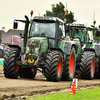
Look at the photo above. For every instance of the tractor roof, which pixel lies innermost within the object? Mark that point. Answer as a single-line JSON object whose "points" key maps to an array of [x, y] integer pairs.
{"points": [[79, 26], [46, 18], [74, 25]]}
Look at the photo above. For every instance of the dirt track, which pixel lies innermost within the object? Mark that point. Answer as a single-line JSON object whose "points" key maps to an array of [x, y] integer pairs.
{"points": [[25, 88]]}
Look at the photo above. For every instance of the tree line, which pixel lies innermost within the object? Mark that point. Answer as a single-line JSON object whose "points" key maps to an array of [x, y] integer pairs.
{"points": [[58, 10]]}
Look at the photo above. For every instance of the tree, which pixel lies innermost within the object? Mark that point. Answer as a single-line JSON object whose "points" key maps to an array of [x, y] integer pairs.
{"points": [[58, 11]]}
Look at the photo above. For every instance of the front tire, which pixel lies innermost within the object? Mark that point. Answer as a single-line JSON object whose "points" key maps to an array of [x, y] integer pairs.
{"points": [[53, 71], [10, 68]]}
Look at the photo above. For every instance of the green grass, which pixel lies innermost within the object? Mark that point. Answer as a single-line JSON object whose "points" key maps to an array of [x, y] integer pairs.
{"points": [[91, 94]]}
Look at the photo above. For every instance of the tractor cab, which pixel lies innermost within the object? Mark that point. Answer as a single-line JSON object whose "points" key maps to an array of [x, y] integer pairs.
{"points": [[51, 28], [86, 32], [44, 33], [70, 30]]}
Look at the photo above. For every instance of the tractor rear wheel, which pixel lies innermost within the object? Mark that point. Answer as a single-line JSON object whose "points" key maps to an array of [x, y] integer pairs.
{"points": [[87, 65], [69, 66], [27, 72], [53, 71], [10, 68]]}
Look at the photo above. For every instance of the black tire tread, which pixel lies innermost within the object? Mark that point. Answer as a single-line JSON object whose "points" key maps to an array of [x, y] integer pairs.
{"points": [[9, 62], [51, 65], [85, 68]]}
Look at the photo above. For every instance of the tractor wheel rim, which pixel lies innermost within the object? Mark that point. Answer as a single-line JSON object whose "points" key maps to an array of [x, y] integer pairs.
{"points": [[59, 67], [71, 65], [17, 68], [92, 66]]}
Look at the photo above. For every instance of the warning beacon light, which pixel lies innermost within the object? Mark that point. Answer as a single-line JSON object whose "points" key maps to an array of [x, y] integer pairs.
{"points": [[65, 16], [65, 13], [31, 13], [94, 21]]}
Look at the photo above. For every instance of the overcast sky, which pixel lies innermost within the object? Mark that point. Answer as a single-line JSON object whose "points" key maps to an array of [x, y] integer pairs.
{"points": [[16, 9]]}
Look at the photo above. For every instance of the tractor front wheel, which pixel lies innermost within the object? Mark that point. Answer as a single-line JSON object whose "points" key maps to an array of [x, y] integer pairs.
{"points": [[11, 70], [53, 71]]}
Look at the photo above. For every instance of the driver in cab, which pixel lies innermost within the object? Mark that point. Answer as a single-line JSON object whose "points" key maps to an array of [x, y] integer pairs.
{"points": [[79, 35]]}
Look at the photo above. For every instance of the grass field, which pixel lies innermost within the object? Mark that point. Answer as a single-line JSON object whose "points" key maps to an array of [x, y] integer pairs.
{"points": [[91, 94]]}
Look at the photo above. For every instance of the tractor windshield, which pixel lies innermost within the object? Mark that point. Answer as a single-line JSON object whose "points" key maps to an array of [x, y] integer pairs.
{"points": [[43, 28]]}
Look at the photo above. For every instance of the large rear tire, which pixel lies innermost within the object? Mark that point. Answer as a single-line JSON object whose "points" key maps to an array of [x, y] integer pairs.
{"points": [[10, 68], [69, 66], [87, 67], [53, 71]]}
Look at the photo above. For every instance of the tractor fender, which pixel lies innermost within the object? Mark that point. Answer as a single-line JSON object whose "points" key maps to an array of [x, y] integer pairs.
{"points": [[90, 49], [97, 49], [68, 46], [15, 46], [58, 49]]}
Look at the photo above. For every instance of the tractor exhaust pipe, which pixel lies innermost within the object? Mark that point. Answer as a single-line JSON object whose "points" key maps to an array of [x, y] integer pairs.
{"points": [[26, 32], [25, 39]]}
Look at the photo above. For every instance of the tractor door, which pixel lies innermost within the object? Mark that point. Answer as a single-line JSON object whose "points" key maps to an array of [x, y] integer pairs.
{"points": [[60, 33]]}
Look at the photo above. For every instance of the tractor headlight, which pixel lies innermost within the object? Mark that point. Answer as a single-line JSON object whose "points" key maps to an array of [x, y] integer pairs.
{"points": [[33, 45]]}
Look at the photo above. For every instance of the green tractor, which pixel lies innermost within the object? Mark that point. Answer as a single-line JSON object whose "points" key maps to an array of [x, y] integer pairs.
{"points": [[44, 47], [88, 54]]}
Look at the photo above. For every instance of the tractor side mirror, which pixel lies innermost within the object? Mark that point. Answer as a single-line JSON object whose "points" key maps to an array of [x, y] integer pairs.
{"points": [[67, 28], [15, 26], [97, 33]]}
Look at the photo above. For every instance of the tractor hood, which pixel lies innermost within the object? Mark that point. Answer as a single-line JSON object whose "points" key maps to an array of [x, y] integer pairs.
{"points": [[37, 45]]}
